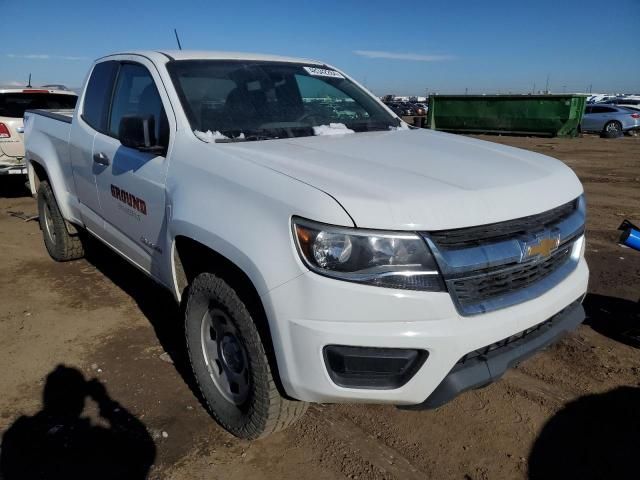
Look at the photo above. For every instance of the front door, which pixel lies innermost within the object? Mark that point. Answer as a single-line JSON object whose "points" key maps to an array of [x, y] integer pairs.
{"points": [[131, 183]]}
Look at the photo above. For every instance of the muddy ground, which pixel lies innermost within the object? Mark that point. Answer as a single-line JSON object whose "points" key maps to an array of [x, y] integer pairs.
{"points": [[572, 411]]}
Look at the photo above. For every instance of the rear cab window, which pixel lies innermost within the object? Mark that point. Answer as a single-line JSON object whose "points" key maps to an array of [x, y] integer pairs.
{"points": [[14, 104], [95, 107]]}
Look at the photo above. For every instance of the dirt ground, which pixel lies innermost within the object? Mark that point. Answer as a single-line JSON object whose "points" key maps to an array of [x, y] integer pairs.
{"points": [[572, 411]]}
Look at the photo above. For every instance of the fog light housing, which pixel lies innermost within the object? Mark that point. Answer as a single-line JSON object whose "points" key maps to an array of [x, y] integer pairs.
{"points": [[372, 368]]}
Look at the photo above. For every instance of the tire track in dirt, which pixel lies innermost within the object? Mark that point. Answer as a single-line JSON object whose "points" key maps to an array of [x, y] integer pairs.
{"points": [[352, 451]]}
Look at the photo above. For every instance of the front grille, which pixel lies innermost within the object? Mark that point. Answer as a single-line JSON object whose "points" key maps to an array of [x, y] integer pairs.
{"points": [[505, 280], [488, 267], [495, 232]]}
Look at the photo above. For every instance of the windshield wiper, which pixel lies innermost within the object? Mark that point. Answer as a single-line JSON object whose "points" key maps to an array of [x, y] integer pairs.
{"points": [[369, 127], [291, 132], [245, 138], [266, 134], [248, 136]]}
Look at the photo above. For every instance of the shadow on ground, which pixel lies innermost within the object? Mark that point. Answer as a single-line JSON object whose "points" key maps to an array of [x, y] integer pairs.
{"points": [[155, 302], [593, 437], [59, 443], [616, 318], [13, 186]]}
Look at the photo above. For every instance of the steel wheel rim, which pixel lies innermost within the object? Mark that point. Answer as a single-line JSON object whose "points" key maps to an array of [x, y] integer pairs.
{"points": [[225, 356], [48, 223]]}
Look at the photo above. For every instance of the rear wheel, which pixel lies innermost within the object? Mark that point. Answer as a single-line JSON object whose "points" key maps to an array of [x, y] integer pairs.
{"points": [[230, 363], [612, 129], [61, 245]]}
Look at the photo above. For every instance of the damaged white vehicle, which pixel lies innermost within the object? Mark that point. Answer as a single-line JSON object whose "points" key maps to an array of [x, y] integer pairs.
{"points": [[323, 250], [13, 103]]}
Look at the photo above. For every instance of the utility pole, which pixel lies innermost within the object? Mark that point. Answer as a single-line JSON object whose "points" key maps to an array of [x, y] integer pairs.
{"points": [[533, 92], [29, 83], [590, 85], [546, 89]]}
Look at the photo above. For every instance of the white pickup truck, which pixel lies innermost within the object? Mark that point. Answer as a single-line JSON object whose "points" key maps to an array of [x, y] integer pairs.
{"points": [[324, 250]]}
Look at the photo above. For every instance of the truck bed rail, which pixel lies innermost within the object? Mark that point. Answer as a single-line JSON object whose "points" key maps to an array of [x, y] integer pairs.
{"points": [[62, 115]]}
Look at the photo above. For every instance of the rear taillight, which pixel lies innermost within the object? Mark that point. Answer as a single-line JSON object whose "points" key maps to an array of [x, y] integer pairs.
{"points": [[635, 115], [4, 131]]}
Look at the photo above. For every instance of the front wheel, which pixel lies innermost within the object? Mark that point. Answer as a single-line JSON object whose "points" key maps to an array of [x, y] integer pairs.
{"points": [[230, 363], [61, 245]]}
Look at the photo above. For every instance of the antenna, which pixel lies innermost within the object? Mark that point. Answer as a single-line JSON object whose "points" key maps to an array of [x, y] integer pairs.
{"points": [[177, 39], [29, 85]]}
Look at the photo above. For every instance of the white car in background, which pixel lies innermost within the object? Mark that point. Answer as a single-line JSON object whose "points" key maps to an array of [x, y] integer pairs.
{"points": [[13, 103]]}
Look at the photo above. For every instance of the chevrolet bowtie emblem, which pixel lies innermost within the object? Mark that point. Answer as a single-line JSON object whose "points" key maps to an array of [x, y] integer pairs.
{"points": [[541, 246]]}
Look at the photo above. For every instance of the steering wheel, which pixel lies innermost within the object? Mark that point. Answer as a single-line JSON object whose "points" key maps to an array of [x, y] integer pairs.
{"points": [[307, 115]]}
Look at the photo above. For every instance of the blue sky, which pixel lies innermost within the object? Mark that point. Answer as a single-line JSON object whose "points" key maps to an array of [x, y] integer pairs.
{"points": [[393, 47]]}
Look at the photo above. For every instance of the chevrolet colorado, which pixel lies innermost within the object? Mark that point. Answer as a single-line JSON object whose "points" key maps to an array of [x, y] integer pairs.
{"points": [[323, 250]]}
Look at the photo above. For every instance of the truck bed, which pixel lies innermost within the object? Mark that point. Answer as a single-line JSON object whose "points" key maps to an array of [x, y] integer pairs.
{"points": [[46, 132]]}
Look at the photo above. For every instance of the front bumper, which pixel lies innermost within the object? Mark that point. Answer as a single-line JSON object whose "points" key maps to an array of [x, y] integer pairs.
{"points": [[311, 312], [490, 363]]}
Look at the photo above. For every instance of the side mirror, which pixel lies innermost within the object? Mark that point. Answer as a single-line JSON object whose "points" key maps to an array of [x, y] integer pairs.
{"points": [[139, 132]]}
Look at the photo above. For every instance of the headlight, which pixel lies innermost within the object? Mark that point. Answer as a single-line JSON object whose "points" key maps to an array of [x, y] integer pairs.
{"points": [[385, 259]]}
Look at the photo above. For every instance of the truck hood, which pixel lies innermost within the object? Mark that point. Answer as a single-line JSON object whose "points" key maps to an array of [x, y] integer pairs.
{"points": [[420, 179]]}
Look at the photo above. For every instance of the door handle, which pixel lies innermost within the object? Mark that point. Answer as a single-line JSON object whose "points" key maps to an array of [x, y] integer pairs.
{"points": [[101, 159]]}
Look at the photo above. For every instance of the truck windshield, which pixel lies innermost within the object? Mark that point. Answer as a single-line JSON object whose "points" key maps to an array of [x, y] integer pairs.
{"points": [[15, 103], [257, 100]]}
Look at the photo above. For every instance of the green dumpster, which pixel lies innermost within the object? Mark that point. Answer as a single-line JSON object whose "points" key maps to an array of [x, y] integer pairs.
{"points": [[548, 115]]}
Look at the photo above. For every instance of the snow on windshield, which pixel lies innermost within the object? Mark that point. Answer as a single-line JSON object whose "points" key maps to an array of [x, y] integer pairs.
{"points": [[332, 129], [209, 136]]}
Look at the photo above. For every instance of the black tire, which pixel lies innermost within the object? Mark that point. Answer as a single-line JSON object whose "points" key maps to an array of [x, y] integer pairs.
{"points": [[612, 129], [263, 410], [61, 245]]}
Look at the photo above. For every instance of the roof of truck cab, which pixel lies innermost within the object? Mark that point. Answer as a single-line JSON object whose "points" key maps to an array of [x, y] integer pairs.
{"points": [[214, 55]]}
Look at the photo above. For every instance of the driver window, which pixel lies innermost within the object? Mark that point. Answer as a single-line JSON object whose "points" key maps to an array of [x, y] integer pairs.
{"points": [[136, 94]]}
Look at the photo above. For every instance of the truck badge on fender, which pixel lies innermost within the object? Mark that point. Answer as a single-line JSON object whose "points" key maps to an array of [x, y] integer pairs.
{"points": [[129, 199]]}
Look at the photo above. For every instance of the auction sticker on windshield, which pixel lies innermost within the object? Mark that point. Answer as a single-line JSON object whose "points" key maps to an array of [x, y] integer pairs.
{"points": [[323, 72]]}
